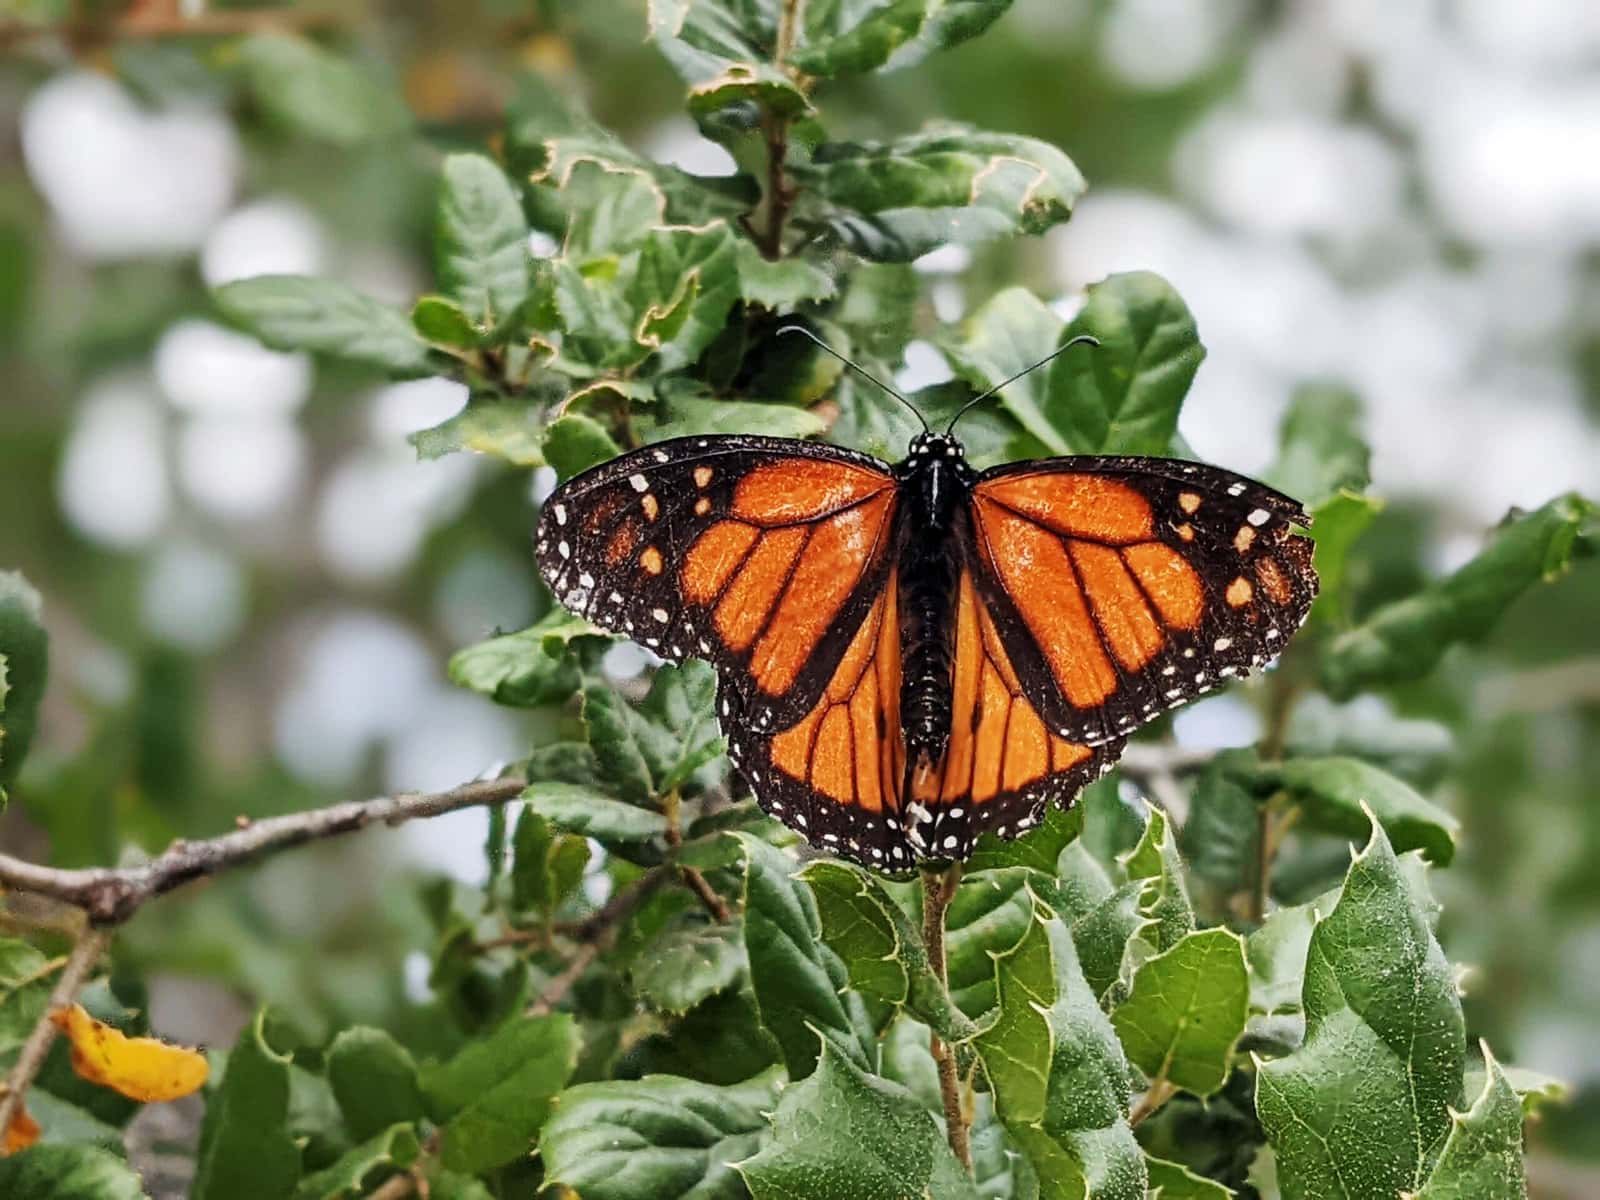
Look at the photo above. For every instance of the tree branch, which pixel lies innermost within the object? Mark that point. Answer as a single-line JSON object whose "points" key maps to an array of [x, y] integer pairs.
{"points": [[598, 932], [111, 895], [938, 889], [85, 954]]}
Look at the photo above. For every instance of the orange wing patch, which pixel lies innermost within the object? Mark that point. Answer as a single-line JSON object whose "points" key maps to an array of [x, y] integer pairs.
{"points": [[802, 490], [848, 748], [1080, 506]]}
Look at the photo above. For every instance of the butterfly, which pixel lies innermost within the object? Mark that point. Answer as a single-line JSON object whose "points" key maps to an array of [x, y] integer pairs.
{"points": [[913, 654]]}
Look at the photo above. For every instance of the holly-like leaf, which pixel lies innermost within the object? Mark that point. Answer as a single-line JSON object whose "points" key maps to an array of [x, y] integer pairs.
{"points": [[1407, 638], [324, 316], [987, 916], [891, 34], [1186, 1011], [720, 1041], [686, 412], [1163, 900], [573, 443], [689, 961], [1059, 1078], [481, 240], [1276, 957], [546, 866], [780, 285], [442, 322], [1039, 849], [1361, 1106], [657, 1138], [684, 284], [1331, 793], [1174, 1181], [586, 812], [680, 716], [509, 429], [63, 1172], [1008, 333], [493, 1096], [246, 1149], [374, 1081], [881, 951], [536, 666], [313, 92], [799, 982], [24, 663], [1483, 1154], [348, 1177], [843, 1132], [1123, 397], [895, 201]]}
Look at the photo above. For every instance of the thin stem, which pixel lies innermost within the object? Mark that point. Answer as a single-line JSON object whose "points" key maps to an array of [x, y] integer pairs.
{"points": [[938, 889], [775, 132], [1284, 688], [714, 904], [1155, 1096], [597, 932], [110, 896], [91, 944]]}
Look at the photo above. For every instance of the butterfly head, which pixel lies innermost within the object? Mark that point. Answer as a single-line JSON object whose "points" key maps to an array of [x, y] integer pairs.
{"points": [[930, 446]]}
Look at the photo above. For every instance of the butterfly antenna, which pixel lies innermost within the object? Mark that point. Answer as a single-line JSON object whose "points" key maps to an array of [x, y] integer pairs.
{"points": [[859, 370], [1085, 338]]}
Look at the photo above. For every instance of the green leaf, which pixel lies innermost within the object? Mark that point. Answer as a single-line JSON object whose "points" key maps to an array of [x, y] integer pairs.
{"points": [[897, 200], [1336, 525], [657, 1138], [842, 1132], [610, 209], [1219, 835], [1187, 1010], [302, 312], [1174, 1181], [684, 285], [988, 915], [1482, 1156], [374, 1080], [24, 665], [495, 1094], [799, 982], [882, 953], [1009, 332], [246, 1151], [1059, 1079], [315, 93], [533, 667], [1039, 849], [1163, 901], [547, 866], [741, 85], [1321, 450], [1331, 793], [508, 429], [1276, 956], [684, 413], [574, 443], [1360, 1107], [891, 33], [588, 813], [57, 1172], [396, 1147], [720, 1041], [481, 240], [1000, 1171], [616, 732], [1407, 638], [441, 322], [1123, 397], [689, 961], [781, 285]]}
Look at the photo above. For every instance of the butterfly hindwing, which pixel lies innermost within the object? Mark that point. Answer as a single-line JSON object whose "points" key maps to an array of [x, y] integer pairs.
{"points": [[839, 775], [1121, 587], [760, 555]]}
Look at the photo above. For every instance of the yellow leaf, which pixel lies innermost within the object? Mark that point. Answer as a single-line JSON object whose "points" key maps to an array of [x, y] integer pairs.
{"points": [[20, 1134], [143, 1069]]}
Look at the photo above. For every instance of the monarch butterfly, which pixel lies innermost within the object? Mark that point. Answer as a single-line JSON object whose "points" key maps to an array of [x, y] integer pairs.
{"points": [[911, 655]]}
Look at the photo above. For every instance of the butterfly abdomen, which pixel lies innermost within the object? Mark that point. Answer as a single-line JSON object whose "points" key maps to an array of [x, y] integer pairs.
{"points": [[935, 494]]}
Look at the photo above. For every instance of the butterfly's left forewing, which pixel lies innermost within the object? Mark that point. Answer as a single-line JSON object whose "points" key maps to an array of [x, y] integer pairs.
{"points": [[761, 555]]}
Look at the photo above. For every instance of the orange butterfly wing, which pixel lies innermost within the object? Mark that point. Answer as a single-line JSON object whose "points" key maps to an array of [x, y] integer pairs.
{"points": [[839, 775], [762, 555], [1124, 586]]}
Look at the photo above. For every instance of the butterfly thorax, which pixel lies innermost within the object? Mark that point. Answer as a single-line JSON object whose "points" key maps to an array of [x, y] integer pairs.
{"points": [[935, 483]]}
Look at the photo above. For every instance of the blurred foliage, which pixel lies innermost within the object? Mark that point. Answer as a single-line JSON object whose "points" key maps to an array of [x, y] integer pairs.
{"points": [[497, 224]]}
